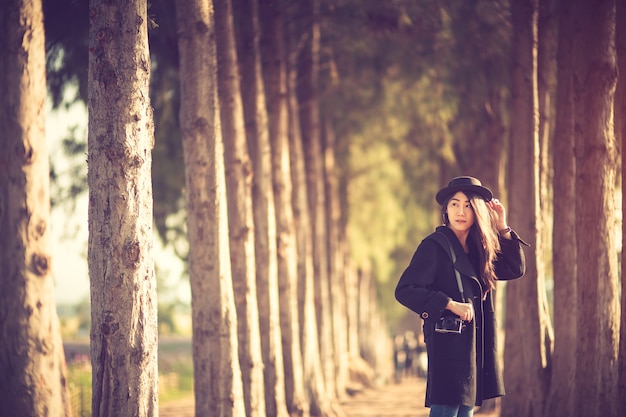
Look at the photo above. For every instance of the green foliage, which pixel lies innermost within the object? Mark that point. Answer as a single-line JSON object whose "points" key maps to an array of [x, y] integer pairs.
{"points": [[170, 306], [66, 25], [68, 173], [175, 376], [168, 174], [175, 370], [417, 90]]}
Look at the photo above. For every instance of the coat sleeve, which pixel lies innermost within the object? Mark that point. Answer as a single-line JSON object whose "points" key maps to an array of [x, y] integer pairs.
{"points": [[415, 287], [511, 263]]}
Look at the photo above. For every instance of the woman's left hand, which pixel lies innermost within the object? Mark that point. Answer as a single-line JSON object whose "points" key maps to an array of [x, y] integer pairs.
{"points": [[498, 212]]}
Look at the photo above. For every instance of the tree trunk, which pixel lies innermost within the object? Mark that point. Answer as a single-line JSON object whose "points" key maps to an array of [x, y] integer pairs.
{"points": [[275, 70], [563, 382], [336, 260], [366, 315], [319, 403], [33, 377], [257, 133], [352, 311], [527, 317], [595, 75], [121, 266], [307, 91], [217, 375], [546, 86], [240, 214], [620, 131]]}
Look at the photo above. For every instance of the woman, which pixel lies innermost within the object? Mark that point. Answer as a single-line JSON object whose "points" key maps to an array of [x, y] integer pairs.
{"points": [[462, 367]]}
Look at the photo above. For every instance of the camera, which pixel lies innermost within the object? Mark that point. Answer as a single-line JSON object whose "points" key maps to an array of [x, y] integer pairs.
{"points": [[449, 324]]}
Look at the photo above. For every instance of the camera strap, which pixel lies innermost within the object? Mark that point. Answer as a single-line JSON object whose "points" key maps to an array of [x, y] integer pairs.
{"points": [[452, 255]]}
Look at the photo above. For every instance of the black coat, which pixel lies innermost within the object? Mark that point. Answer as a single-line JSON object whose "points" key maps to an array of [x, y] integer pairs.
{"points": [[462, 368]]}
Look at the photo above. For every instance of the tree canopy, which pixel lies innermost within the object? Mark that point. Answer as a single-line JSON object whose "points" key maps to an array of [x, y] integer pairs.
{"points": [[415, 91]]}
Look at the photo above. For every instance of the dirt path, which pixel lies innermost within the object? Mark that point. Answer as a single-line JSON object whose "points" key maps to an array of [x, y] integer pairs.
{"points": [[394, 400], [179, 408]]}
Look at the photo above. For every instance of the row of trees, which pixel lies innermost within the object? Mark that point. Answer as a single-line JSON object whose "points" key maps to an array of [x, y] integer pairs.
{"points": [[568, 124], [265, 218], [278, 309], [332, 118]]}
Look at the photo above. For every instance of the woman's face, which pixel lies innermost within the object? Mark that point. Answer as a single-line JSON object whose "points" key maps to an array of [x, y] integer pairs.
{"points": [[460, 212]]}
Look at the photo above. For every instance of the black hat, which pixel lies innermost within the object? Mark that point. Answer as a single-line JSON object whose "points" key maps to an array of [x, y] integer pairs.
{"points": [[463, 184]]}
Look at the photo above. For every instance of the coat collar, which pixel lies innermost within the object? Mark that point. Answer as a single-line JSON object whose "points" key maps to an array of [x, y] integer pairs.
{"points": [[463, 263]]}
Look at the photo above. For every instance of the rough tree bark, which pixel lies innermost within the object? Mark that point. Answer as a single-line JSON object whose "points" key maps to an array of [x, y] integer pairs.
{"points": [[33, 378], [121, 266], [527, 317], [563, 383], [217, 375], [547, 26], [620, 132], [598, 319]]}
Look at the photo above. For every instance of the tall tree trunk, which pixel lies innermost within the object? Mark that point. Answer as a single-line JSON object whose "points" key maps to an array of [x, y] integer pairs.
{"points": [[546, 79], [563, 382], [527, 318], [307, 90], [336, 260], [121, 266], [366, 314], [595, 76], [217, 375], [319, 403], [546, 86], [33, 377], [275, 70], [352, 311], [620, 131], [240, 211], [257, 133]]}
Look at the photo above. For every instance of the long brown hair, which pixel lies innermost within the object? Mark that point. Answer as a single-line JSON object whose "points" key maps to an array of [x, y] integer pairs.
{"points": [[482, 237]]}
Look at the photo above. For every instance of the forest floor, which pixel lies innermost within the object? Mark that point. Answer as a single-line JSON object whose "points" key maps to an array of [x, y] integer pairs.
{"points": [[402, 399]]}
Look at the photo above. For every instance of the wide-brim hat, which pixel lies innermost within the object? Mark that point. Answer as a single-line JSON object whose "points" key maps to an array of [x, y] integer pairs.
{"points": [[463, 184]]}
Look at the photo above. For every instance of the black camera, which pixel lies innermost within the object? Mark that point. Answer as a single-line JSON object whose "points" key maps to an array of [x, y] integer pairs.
{"points": [[449, 324]]}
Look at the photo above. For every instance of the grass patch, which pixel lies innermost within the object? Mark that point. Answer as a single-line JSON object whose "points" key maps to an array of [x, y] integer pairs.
{"points": [[79, 378], [175, 376]]}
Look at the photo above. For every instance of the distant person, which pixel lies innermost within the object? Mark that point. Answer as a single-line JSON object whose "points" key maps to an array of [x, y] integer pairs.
{"points": [[410, 347], [456, 304], [421, 358], [399, 358]]}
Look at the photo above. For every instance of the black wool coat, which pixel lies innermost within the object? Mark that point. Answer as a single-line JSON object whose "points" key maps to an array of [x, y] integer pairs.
{"points": [[462, 368]]}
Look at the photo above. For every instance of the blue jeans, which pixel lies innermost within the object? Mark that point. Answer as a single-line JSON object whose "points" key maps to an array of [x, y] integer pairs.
{"points": [[439, 410]]}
